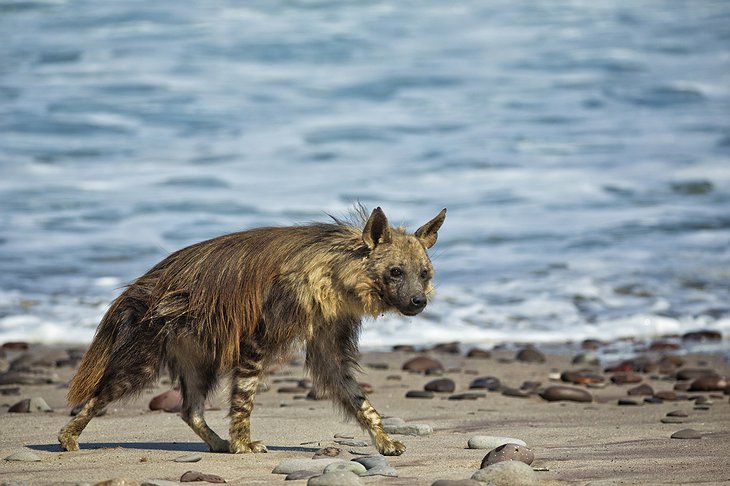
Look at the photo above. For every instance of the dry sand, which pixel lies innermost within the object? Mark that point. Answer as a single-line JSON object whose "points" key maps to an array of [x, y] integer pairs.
{"points": [[574, 443]]}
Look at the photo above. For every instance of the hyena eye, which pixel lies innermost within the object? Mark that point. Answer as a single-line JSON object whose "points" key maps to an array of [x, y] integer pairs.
{"points": [[396, 272], [424, 274]]}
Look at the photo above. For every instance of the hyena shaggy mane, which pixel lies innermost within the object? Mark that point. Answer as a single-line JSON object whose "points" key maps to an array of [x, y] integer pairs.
{"points": [[234, 304]]}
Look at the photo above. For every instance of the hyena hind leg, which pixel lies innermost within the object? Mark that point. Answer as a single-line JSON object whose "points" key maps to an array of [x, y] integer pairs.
{"points": [[68, 437], [243, 391], [195, 390]]}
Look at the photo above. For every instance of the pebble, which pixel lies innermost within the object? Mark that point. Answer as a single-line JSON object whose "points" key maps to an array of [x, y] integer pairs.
{"points": [[694, 373], [479, 353], [624, 378], [328, 452], [530, 355], [643, 389], [404, 348], [28, 377], [335, 478], [581, 377], [443, 385], [677, 413], [301, 474], [487, 382], [189, 458], [293, 389], [507, 473], [192, 476], [419, 394], [491, 442], [10, 391], [653, 400], [514, 392], [352, 466], [668, 395], [30, 405], [626, 401], [450, 348], [508, 452], [352, 443], [291, 465], [709, 383], [169, 401], [457, 482], [673, 420], [467, 396], [687, 434], [422, 364], [23, 456], [376, 466], [565, 393], [408, 429]]}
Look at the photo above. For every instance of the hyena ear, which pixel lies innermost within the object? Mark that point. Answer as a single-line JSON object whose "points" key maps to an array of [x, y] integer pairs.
{"points": [[376, 229], [428, 233]]}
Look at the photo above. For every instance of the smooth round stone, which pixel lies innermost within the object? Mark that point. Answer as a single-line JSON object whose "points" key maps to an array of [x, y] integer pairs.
{"points": [[653, 400], [188, 458], [169, 401], [467, 396], [23, 456], [694, 373], [291, 465], [352, 442], [514, 392], [709, 383], [443, 385], [30, 405], [194, 476], [643, 389], [408, 429], [677, 413], [565, 393], [687, 434], [450, 348], [419, 394], [508, 452], [492, 442], [352, 466], [487, 383], [668, 395], [624, 378], [302, 474], [627, 402], [370, 462], [530, 355], [673, 420], [582, 377], [507, 473], [335, 478], [478, 353], [421, 364]]}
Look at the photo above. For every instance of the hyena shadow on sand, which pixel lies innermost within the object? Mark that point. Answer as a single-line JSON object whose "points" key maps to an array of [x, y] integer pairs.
{"points": [[233, 305]]}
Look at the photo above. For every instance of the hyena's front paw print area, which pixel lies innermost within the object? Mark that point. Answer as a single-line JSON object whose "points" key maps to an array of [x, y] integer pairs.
{"points": [[392, 448], [245, 447], [68, 442]]}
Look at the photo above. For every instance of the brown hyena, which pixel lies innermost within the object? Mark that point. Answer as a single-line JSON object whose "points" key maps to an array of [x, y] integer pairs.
{"points": [[233, 304]]}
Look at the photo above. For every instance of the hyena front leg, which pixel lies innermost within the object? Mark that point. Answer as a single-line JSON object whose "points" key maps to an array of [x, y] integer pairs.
{"points": [[331, 362], [243, 391]]}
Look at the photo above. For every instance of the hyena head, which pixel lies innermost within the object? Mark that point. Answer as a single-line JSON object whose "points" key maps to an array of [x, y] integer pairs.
{"points": [[398, 263]]}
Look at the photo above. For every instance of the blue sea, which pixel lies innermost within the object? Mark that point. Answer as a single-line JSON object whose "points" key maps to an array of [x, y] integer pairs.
{"points": [[582, 149]]}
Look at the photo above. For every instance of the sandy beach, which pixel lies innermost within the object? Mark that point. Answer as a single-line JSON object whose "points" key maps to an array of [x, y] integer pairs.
{"points": [[598, 442]]}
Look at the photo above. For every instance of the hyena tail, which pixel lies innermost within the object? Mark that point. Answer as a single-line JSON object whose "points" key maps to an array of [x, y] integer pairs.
{"points": [[108, 352]]}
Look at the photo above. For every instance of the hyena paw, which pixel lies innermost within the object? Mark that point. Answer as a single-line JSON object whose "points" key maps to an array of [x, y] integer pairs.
{"points": [[392, 448], [219, 445], [68, 442], [244, 447]]}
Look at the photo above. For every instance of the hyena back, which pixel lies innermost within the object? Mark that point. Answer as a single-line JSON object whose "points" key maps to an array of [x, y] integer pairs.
{"points": [[236, 303]]}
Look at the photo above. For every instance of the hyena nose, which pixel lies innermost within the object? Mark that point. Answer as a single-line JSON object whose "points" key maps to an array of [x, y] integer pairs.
{"points": [[418, 301]]}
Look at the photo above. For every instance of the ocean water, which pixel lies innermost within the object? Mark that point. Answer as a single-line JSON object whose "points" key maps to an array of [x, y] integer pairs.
{"points": [[581, 148]]}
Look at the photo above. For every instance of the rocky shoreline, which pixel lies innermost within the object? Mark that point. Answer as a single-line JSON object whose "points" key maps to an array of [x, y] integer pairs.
{"points": [[509, 415]]}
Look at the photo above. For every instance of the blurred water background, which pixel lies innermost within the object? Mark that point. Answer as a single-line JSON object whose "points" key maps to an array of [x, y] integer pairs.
{"points": [[582, 149]]}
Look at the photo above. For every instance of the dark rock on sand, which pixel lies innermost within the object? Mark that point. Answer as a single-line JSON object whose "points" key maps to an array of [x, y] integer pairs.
{"points": [[515, 392], [192, 476], [189, 458], [404, 348], [668, 395], [479, 353], [709, 383], [687, 434], [422, 364], [673, 420], [508, 452], [530, 355], [467, 396], [677, 413], [169, 401], [642, 389], [301, 474], [624, 378], [565, 393], [581, 377], [443, 385], [419, 394], [694, 373], [30, 405], [627, 402], [487, 383], [450, 348]]}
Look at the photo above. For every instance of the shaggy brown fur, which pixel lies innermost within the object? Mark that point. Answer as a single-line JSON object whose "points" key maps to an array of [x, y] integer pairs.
{"points": [[233, 304]]}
